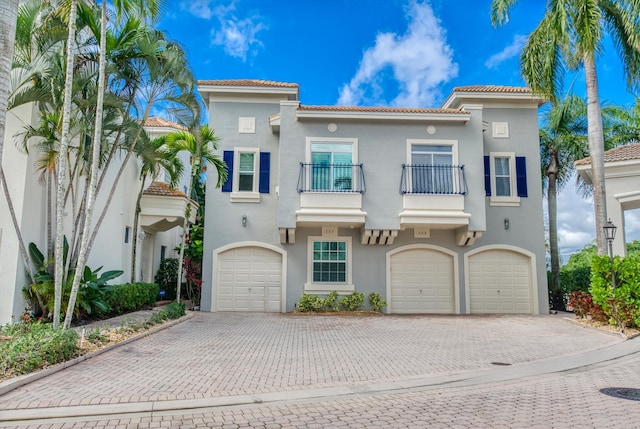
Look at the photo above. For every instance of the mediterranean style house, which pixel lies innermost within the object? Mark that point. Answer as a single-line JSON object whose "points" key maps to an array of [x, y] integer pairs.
{"points": [[622, 186], [439, 210], [160, 226]]}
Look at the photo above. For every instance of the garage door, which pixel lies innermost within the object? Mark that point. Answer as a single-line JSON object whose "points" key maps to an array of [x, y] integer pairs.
{"points": [[500, 282], [249, 279], [422, 282]]}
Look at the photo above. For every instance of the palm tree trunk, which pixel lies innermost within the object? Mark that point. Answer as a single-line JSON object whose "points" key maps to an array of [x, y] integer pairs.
{"points": [[557, 301], [134, 241], [596, 150], [62, 165], [95, 163], [8, 19], [116, 180]]}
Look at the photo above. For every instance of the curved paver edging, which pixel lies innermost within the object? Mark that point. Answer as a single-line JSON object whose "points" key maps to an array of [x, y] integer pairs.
{"points": [[469, 379], [595, 328], [14, 383]]}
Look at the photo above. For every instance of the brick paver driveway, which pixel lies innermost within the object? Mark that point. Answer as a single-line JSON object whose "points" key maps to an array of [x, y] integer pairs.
{"points": [[226, 354]]}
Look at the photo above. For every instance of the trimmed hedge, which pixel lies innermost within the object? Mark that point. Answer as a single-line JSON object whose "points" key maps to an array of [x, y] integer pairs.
{"points": [[130, 297]]}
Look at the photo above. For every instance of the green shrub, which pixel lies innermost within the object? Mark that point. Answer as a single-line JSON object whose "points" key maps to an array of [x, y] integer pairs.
{"points": [[167, 277], [352, 302], [376, 303], [315, 303], [174, 310], [130, 297], [310, 303], [621, 304], [35, 347]]}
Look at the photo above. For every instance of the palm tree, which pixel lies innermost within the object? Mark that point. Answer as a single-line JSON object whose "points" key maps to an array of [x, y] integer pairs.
{"points": [[8, 19], [62, 164], [154, 158], [200, 146], [563, 140], [571, 35]]}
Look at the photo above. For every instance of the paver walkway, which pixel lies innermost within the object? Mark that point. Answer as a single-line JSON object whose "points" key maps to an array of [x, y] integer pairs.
{"points": [[226, 355]]}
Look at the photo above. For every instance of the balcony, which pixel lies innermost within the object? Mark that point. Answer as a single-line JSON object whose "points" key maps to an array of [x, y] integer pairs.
{"points": [[331, 194], [433, 196], [162, 208]]}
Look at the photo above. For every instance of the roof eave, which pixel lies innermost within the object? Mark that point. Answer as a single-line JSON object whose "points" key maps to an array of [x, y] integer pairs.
{"points": [[450, 102], [385, 116]]}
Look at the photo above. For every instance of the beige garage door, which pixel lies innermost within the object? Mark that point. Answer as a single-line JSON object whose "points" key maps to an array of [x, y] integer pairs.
{"points": [[422, 282], [500, 282], [249, 279]]}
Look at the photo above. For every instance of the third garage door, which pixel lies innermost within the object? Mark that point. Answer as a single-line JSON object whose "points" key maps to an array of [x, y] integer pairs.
{"points": [[422, 281]]}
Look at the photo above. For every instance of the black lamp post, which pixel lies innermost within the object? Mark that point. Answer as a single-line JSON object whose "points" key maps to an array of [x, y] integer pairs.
{"points": [[610, 234]]}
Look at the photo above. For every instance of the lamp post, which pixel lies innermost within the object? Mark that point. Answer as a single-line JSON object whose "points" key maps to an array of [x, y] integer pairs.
{"points": [[610, 234]]}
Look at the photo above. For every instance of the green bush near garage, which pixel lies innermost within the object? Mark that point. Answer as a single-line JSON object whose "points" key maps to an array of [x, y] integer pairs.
{"points": [[128, 297]]}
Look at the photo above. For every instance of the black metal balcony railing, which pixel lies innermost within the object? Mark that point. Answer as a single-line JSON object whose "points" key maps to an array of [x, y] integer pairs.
{"points": [[433, 179], [331, 178]]}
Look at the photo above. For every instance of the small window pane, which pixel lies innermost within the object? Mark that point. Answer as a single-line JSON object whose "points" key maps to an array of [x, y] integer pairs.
{"points": [[246, 161], [502, 166], [503, 186], [245, 182]]}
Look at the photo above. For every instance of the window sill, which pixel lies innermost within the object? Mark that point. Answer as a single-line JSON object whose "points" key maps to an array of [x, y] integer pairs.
{"points": [[505, 201], [244, 197], [328, 288]]}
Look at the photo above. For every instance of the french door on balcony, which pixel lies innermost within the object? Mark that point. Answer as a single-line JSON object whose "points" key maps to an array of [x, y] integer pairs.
{"points": [[331, 167], [431, 171]]}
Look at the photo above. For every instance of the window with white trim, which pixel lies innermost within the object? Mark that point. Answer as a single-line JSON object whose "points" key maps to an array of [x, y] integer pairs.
{"points": [[503, 179], [331, 164], [329, 264], [248, 174]]}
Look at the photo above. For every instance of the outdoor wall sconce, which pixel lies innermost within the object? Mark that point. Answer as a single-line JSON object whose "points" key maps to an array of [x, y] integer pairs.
{"points": [[506, 223], [244, 221]]}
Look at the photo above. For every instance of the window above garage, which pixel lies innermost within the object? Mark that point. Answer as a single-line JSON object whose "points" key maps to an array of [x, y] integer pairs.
{"points": [[248, 174]]}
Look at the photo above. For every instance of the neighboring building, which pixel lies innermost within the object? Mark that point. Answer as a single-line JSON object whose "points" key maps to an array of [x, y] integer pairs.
{"points": [[438, 210], [622, 186], [161, 219]]}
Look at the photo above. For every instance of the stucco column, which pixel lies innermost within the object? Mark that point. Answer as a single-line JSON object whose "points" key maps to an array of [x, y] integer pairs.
{"points": [[616, 214]]}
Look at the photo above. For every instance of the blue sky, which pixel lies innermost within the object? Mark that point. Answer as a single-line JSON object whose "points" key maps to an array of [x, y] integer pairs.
{"points": [[378, 52]]}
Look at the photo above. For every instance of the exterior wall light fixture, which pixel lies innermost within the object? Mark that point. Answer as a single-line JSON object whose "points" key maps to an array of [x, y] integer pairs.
{"points": [[244, 221], [506, 223]]}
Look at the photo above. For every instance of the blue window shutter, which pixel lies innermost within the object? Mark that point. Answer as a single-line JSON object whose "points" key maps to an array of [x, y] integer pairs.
{"points": [[265, 166], [521, 175], [487, 175], [227, 157]]}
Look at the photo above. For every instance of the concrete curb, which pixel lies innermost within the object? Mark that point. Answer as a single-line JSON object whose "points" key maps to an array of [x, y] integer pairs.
{"points": [[466, 380], [593, 328], [14, 383]]}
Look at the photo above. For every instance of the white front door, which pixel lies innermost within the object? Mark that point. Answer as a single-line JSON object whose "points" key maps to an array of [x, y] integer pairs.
{"points": [[422, 281]]}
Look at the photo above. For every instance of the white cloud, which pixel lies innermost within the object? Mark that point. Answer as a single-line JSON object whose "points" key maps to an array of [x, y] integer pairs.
{"points": [[199, 8], [237, 35], [507, 53], [420, 60]]}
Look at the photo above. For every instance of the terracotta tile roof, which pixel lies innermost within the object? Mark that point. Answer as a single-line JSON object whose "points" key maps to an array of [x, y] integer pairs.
{"points": [[162, 123], [163, 190], [621, 153], [379, 109], [248, 82], [493, 88]]}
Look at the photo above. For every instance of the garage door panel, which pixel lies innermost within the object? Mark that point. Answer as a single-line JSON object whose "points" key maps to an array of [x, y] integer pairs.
{"points": [[421, 282], [500, 282], [249, 279]]}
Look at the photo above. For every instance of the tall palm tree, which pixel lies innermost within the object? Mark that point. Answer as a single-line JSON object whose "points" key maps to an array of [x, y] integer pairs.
{"points": [[200, 145], [563, 140], [154, 158], [8, 19], [62, 163], [571, 35], [122, 7]]}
